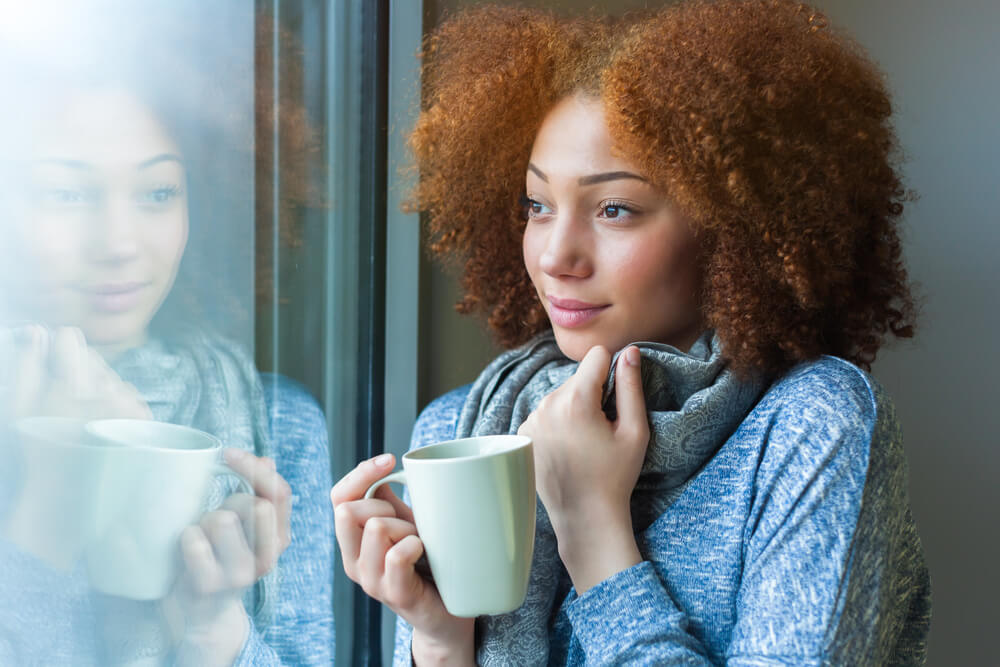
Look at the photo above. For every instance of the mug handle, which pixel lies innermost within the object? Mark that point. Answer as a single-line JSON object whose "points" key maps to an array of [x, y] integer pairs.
{"points": [[398, 477], [244, 486], [421, 566]]}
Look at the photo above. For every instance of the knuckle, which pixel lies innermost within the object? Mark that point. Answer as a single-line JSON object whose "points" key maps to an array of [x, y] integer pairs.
{"points": [[220, 520], [263, 510], [282, 491], [244, 574], [378, 526]]}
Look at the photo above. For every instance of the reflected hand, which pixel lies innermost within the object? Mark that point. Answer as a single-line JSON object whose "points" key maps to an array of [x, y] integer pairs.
{"points": [[224, 554], [380, 548], [57, 374]]}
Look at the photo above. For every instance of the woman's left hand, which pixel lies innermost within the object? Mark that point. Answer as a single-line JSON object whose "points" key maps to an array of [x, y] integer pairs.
{"points": [[586, 466], [224, 554]]}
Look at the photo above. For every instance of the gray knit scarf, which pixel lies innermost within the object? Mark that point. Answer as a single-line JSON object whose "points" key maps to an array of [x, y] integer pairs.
{"points": [[694, 403], [204, 381]]}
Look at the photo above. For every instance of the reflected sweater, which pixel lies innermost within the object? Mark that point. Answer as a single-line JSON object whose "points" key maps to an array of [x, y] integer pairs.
{"points": [[793, 545], [52, 618]]}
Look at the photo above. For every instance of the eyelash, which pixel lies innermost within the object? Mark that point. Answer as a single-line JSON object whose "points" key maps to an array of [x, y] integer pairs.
{"points": [[526, 206], [614, 203], [170, 191]]}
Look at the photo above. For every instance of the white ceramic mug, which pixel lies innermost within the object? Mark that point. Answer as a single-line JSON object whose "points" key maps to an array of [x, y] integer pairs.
{"points": [[474, 507], [52, 474], [155, 484]]}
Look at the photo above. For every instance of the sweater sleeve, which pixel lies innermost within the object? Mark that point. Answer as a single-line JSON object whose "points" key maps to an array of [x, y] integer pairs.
{"points": [[436, 423], [831, 572], [301, 630]]}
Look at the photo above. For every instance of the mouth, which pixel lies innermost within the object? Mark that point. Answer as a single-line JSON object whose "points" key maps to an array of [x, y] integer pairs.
{"points": [[570, 313], [116, 297]]}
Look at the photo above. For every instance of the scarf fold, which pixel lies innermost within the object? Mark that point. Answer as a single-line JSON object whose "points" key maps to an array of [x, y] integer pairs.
{"points": [[694, 403], [207, 382]]}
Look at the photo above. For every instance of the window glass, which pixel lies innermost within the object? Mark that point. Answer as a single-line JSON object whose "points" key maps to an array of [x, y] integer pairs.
{"points": [[183, 245]]}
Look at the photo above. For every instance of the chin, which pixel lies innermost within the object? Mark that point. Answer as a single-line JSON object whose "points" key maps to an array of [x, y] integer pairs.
{"points": [[114, 334], [575, 345]]}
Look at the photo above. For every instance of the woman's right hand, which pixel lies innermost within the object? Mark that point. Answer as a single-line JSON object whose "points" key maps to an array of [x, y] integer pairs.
{"points": [[55, 373], [380, 548]]}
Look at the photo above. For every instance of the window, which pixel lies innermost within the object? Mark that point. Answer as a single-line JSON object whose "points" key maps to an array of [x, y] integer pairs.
{"points": [[196, 229]]}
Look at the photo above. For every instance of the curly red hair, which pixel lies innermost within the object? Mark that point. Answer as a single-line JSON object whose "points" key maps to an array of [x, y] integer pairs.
{"points": [[767, 129]]}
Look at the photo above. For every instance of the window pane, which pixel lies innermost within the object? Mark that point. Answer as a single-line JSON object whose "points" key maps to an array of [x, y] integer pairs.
{"points": [[182, 244]]}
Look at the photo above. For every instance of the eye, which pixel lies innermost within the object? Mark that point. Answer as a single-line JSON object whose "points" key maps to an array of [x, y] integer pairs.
{"points": [[65, 196], [159, 195], [533, 208], [615, 210]]}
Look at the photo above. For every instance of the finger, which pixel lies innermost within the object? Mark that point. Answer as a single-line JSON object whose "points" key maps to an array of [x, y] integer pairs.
{"points": [[266, 482], [30, 370], [224, 531], [403, 510], [380, 535], [593, 372], [70, 360], [354, 484], [260, 525], [349, 522], [629, 396], [264, 479], [403, 585], [201, 570], [130, 402]]}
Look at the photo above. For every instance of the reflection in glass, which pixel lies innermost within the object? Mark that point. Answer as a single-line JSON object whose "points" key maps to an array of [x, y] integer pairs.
{"points": [[126, 292]]}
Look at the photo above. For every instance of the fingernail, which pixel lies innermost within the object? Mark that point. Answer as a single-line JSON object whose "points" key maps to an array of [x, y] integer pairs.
{"points": [[632, 356], [383, 460]]}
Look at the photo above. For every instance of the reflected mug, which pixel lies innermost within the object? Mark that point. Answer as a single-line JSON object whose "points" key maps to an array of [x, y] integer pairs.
{"points": [[474, 507], [156, 482]]}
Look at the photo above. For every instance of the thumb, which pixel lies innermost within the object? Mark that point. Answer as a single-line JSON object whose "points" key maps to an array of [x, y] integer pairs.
{"points": [[629, 397]]}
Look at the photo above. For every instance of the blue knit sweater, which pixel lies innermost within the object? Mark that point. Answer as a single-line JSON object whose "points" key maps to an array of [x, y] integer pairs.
{"points": [[793, 545], [52, 618]]}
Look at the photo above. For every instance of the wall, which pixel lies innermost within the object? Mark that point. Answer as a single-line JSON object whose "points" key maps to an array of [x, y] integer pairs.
{"points": [[943, 65]]}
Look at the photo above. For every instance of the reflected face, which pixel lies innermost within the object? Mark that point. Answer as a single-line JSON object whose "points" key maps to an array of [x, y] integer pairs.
{"points": [[611, 261], [104, 219]]}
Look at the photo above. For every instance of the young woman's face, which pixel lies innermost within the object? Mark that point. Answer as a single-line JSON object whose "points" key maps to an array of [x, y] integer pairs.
{"points": [[104, 218], [611, 261]]}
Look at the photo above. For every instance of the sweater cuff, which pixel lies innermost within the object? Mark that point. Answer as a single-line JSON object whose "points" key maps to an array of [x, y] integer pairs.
{"points": [[622, 612]]}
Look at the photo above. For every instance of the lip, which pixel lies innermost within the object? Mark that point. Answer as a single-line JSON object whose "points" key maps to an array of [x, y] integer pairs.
{"points": [[571, 313], [115, 297]]}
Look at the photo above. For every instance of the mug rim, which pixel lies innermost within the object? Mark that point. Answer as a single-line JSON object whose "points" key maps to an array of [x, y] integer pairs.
{"points": [[517, 442], [21, 426], [93, 427]]}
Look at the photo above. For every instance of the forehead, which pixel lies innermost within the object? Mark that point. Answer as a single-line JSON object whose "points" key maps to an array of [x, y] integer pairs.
{"points": [[109, 129], [574, 140]]}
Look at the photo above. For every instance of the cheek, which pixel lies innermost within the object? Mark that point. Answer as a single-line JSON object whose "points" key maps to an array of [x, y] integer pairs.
{"points": [[50, 246], [659, 269], [531, 248], [168, 238]]}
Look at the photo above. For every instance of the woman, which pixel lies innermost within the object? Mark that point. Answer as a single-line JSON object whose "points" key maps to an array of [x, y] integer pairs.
{"points": [[704, 261], [110, 187]]}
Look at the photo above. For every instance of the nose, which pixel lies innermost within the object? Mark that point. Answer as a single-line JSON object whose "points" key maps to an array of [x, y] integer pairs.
{"points": [[567, 249], [114, 234]]}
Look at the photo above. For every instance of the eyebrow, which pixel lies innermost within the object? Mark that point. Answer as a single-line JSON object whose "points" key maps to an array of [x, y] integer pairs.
{"points": [[86, 166], [72, 164], [162, 157], [593, 178]]}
